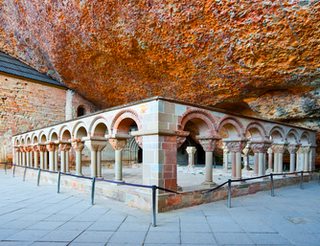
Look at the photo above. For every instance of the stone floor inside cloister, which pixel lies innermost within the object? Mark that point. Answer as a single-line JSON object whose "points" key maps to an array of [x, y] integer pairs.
{"points": [[32, 215]]}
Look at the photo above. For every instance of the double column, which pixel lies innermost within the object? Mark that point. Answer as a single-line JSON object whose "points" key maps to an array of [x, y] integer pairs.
{"points": [[259, 149], [64, 156], [43, 156], [96, 145], [292, 150], [303, 155], [208, 145], [78, 146], [235, 147], [35, 149], [52, 147], [118, 143], [278, 150]]}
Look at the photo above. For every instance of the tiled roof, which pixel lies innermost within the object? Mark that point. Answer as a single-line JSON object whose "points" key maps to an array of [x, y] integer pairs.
{"points": [[11, 65]]}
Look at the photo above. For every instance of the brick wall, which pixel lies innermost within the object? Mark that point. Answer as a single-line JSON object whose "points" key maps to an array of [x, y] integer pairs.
{"points": [[27, 105]]}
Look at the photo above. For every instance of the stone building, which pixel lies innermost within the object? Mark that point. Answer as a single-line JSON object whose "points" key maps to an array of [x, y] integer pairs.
{"points": [[29, 99]]}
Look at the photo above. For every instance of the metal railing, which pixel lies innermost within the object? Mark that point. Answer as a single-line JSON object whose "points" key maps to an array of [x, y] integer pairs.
{"points": [[153, 188]]}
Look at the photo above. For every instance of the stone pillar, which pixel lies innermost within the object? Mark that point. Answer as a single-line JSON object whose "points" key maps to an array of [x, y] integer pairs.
{"points": [[306, 158], [160, 161], [42, 149], [67, 153], [225, 158], [278, 150], [78, 146], [56, 158], [36, 156], [235, 147], [270, 160], [17, 155], [51, 147], [118, 144], [27, 151], [208, 145], [62, 148], [312, 157], [245, 151], [23, 153], [260, 149], [95, 146], [99, 165], [191, 150], [292, 150]]}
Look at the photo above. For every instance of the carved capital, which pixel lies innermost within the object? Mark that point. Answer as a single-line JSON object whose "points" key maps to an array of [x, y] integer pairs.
{"points": [[42, 148], [235, 146], [36, 148], [292, 149], [77, 144], [191, 150], [64, 146], [208, 144], [278, 148], [51, 146], [181, 137], [261, 147], [117, 144]]}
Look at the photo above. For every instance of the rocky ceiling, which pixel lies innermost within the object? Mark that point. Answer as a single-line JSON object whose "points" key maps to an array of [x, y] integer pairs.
{"points": [[257, 57]]}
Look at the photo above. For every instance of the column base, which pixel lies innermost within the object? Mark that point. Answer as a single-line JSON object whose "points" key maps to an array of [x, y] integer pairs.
{"points": [[209, 183]]}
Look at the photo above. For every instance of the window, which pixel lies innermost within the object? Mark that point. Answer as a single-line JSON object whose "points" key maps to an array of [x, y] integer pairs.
{"points": [[81, 111]]}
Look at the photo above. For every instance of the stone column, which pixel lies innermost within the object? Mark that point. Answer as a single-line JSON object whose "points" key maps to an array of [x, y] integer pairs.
{"points": [[245, 151], [225, 158], [306, 158], [312, 157], [99, 165], [78, 146], [208, 145], [95, 146], [62, 157], [36, 156], [27, 154], [23, 151], [67, 148], [292, 150], [56, 157], [235, 147], [270, 161], [51, 147], [17, 155], [260, 149], [191, 150], [278, 150], [118, 144], [42, 149]]}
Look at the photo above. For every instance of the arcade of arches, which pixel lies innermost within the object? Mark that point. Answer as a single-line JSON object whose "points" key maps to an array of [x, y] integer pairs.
{"points": [[163, 133]]}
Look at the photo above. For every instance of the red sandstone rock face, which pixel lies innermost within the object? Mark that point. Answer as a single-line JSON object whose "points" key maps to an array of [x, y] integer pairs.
{"points": [[209, 52]]}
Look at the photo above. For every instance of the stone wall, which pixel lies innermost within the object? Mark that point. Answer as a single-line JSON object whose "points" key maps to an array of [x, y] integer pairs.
{"points": [[27, 105]]}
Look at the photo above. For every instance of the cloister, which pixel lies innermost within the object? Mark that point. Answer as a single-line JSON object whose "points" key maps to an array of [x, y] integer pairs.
{"points": [[167, 131]]}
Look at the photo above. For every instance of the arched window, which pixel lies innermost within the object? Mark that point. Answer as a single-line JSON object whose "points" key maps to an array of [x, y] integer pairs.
{"points": [[81, 111]]}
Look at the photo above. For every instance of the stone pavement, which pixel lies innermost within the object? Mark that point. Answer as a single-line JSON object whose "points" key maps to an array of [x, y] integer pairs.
{"points": [[31, 215]]}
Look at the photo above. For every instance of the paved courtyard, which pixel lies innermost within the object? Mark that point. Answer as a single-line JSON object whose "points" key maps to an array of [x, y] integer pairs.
{"points": [[31, 215]]}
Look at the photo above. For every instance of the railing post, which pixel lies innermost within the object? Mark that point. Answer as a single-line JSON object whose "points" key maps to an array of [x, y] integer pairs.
{"points": [[301, 180], [92, 190], [5, 168], [24, 174], [38, 180], [229, 194], [13, 171], [154, 212], [59, 179], [272, 184], [319, 178]]}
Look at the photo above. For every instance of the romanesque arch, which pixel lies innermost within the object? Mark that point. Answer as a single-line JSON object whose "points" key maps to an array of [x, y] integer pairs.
{"points": [[292, 137], [99, 127], [277, 134], [124, 121], [255, 131], [79, 130], [230, 127]]}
